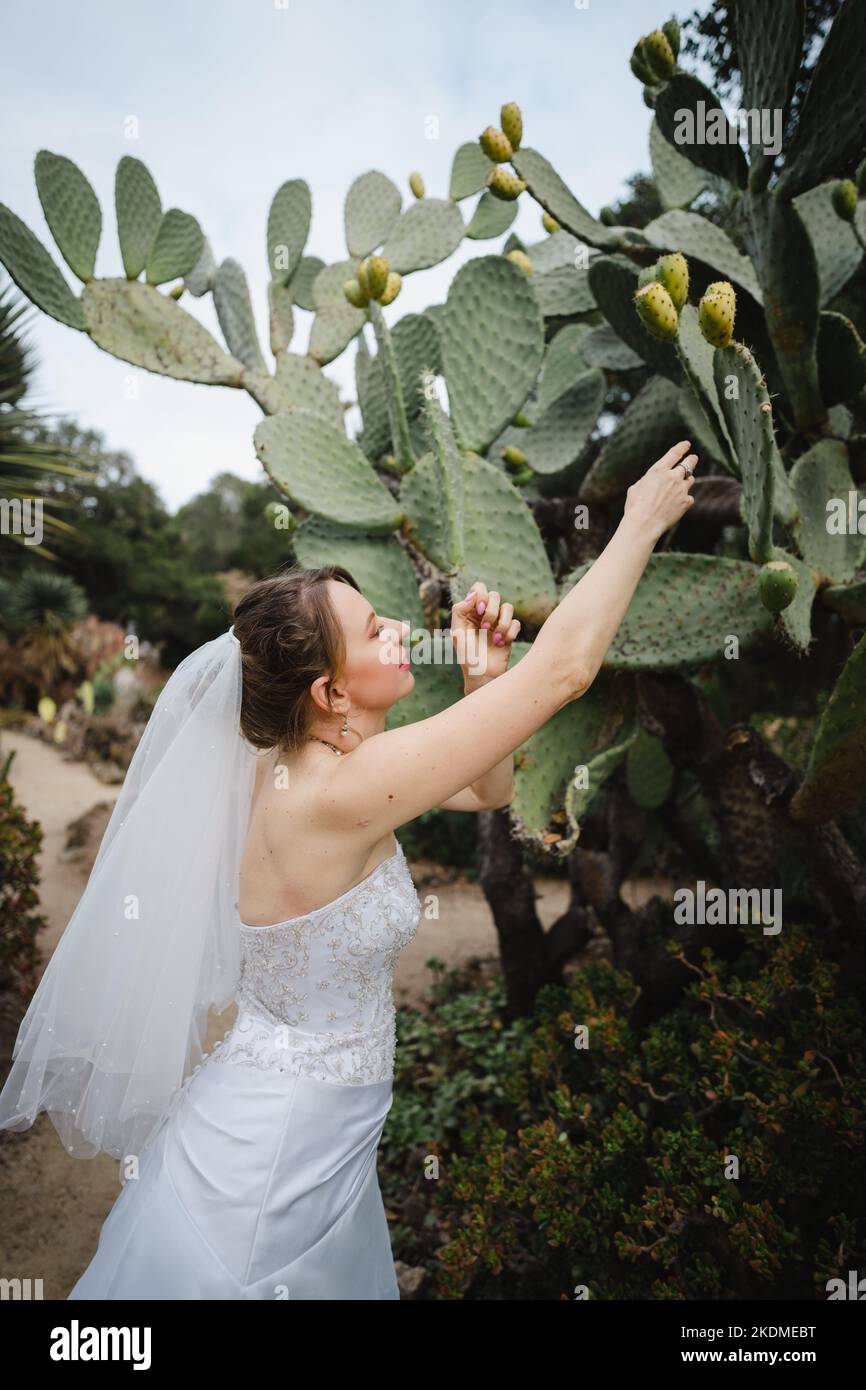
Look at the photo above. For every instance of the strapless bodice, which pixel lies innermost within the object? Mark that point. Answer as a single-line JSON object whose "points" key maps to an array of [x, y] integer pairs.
{"points": [[315, 992]]}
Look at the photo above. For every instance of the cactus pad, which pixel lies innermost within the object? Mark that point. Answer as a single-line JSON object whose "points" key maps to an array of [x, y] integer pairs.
{"points": [[559, 435], [200, 280], [678, 180], [35, 272], [835, 778], [649, 773], [372, 207], [139, 213], [684, 611], [231, 296], [136, 323], [491, 217], [500, 539], [303, 280], [299, 382], [492, 337], [380, 565], [548, 189], [749, 419], [176, 248], [824, 535], [318, 468], [288, 228], [469, 171], [423, 235], [71, 210]]}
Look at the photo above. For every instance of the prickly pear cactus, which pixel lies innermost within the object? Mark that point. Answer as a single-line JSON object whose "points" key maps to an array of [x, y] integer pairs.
{"points": [[743, 340]]}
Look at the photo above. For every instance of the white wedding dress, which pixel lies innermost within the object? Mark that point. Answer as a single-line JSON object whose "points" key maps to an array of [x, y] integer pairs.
{"points": [[260, 1181]]}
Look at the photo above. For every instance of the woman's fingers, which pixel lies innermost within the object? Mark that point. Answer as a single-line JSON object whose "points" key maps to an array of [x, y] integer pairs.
{"points": [[491, 610], [673, 455]]}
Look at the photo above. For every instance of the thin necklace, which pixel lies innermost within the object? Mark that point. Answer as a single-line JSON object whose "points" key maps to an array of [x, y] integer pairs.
{"points": [[339, 751]]}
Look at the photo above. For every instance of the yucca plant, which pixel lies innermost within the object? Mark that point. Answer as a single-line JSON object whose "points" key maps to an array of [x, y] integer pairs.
{"points": [[25, 458], [41, 608]]}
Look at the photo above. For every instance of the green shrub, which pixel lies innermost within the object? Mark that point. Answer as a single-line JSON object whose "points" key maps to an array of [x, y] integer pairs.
{"points": [[606, 1166], [20, 919]]}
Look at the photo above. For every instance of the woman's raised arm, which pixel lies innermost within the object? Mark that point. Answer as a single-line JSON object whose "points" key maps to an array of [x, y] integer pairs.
{"points": [[398, 774]]}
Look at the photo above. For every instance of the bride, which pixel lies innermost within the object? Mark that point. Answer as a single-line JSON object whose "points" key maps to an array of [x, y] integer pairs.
{"points": [[251, 857]]}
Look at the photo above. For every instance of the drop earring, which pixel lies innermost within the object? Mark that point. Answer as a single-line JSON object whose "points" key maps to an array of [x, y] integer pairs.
{"points": [[345, 729]]}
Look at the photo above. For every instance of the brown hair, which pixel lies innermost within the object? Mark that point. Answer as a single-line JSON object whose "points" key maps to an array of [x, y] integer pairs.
{"points": [[289, 636]]}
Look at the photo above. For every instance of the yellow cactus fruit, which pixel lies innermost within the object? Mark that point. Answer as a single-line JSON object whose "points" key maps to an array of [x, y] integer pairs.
{"points": [[716, 314], [60, 731], [353, 292], [549, 223], [416, 183], [377, 276], [392, 288], [511, 121], [505, 185], [656, 311], [673, 272], [520, 258], [659, 54], [844, 199], [47, 709], [514, 457], [495, 144]]}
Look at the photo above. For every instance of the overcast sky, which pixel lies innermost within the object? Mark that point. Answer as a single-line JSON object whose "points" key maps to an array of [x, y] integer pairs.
{"points": [[233, 97]]}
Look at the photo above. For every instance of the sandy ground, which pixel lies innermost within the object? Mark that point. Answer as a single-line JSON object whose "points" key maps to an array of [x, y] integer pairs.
{"points": [[52, 1205]]}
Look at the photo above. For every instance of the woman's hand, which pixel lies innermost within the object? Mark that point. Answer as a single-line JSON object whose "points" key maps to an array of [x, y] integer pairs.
{"points": [[482, 640], [658, 499]]}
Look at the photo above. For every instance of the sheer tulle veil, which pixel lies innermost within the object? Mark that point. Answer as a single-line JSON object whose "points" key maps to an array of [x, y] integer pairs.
{"points": [[119, 1018]]}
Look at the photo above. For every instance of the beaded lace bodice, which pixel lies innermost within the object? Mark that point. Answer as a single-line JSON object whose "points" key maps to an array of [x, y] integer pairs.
{"points": [[315, 992]]}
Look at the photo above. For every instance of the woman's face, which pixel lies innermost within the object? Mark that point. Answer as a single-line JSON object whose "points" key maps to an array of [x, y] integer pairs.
{"points": [[377, 671]]}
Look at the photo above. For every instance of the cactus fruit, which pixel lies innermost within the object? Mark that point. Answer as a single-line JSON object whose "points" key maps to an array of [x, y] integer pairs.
{"points": [[777, 585], [520, 258], [656, 311], [845, 199], [361, 277], [673, 272], [514, 457], [671, 31], [355, 295], [549, 223], [639, 65], [716, 313], [416, 183], [392, 288], [607, 216], [495, 144], [659, 54], [377, 276], [522, 421], [512, 124], [503, 184]]}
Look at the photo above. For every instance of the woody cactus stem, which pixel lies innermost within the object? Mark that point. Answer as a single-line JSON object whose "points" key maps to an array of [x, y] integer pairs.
{"points": [[397, 417]]}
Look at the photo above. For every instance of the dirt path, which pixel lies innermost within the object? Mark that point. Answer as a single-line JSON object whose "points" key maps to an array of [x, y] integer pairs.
{"points": [[52, 1206]]}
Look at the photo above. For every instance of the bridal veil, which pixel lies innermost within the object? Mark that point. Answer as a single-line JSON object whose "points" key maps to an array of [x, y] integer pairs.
{"points": [[119, 1017]]}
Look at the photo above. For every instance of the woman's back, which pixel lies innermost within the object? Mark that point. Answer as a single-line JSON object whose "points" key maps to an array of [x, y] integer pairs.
{"points": [[294, 862]]}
